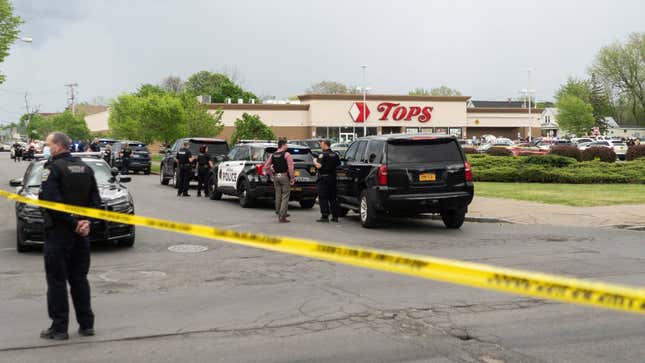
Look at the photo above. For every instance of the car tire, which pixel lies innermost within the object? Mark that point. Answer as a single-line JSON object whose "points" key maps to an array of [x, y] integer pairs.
{"points": [[175, 178], [307, 203], [243, 193], [162, 176], [342, 212], [367, 213], [146, 172], [211, 189], [21, 247], [453, 218]]}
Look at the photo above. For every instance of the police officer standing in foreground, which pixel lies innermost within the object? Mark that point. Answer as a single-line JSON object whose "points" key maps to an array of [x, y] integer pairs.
{"points": [[126, 154], [204, 166], [184, 158], [280, 168], [326, 163], [67, 179]]}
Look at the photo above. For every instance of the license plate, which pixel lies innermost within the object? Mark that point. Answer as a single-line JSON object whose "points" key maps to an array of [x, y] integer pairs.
{"points": [[297, 172], [427, 177]]}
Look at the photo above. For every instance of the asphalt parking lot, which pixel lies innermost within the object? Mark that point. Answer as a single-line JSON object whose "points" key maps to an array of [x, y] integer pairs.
{"points": [[232, 303]]}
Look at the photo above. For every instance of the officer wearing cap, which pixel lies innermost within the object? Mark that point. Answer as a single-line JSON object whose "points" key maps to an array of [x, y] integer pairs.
{"points": [[126, 154], [204, 166], [67, 179], [326, 163], [184, 158]]}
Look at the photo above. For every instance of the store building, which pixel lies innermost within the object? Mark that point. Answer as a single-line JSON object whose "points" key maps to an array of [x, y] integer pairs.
{"points": [[346, 117]]}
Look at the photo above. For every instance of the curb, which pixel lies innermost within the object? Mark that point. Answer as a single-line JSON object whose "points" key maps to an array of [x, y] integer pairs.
{"points": [[470, 219]]}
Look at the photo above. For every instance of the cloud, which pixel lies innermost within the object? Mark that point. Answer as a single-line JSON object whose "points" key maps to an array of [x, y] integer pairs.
{"points": [[45, 19]]}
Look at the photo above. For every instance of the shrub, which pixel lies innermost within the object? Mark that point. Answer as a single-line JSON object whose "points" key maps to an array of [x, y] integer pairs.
{"points": [[635, 152], [469, 150], [499, 151], [568, 151], [554, 161], [605, 154]]}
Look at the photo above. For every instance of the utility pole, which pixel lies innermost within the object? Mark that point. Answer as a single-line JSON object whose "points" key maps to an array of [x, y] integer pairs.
{"points": [[72, 96], [364, 66], [528, 92]]}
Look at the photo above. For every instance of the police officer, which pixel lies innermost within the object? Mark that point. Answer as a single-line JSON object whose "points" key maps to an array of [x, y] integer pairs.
{"points": [[66, 179], [95, 146], [107, 154], [126, 154], [326, 163], [184, 158], [204, 166]]}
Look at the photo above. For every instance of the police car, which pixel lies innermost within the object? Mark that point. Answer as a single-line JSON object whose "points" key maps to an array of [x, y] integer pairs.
{"points": [[241, 174], [114, 197]]}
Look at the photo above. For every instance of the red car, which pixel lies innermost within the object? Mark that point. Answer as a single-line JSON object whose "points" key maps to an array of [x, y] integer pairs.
{"points": [[526, 149]]}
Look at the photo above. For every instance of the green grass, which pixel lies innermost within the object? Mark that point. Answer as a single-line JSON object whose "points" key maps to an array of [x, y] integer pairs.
{"points": [[156, 160], [578, 195]]}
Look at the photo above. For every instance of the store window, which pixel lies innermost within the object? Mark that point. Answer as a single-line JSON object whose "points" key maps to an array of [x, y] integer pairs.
{"points": [[386, 130], [371, 131], [332, 133], [322, 132], [456, 131], [441, 130], [426, 130], [412, 130]]}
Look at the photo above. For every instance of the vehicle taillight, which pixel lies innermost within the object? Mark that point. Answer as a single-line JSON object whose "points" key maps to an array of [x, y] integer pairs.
{"points": [[260, 169], [382, 175], [468, 172]]}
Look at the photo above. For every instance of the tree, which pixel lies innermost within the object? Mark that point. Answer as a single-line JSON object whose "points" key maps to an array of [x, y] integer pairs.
{"points": [[437, 91], [622, 68], [198, 121], [250, 127], [125, 115], [217, 85], [162, 118], [72, 125], [331, 88], [148, 89], [574, 87], [575, 115], [172, 84], [8, 30], [38, 126]]}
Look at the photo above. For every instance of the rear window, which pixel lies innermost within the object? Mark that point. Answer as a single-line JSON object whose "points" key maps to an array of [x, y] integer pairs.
{"points": [[219, 148], [423, 151], [138, 147], [299, 155]]}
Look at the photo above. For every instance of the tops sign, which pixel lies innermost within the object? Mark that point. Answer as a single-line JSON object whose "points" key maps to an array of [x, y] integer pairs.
{"points": [[391, 111]]}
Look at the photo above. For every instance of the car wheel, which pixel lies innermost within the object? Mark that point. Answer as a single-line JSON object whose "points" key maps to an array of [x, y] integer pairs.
{"points": [[307, 203], [162, 176], [175, 178], [20, 239], [453, 218], [146, 172], [243, 193], [211, 188], [343, 212], [367, 212], [128, 242]]}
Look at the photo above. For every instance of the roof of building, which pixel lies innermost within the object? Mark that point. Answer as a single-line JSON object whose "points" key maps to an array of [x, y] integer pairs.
{"points": [[498, 104], [381, 97], [503, 110], [89, 109], [611, 122]]}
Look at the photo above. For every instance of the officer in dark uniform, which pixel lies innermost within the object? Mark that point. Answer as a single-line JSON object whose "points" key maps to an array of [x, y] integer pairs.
{"points": [[326, 163], [204, 166], [107, 154], [126, 154], [184, 158], [95, 146], [67, 179]]}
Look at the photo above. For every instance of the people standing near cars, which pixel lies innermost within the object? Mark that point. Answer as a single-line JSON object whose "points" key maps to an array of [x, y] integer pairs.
{"points": [[326, 163], [126, 154], [67, 179], [17, 151], [107, 154], [204, 166], [279, 166], [95, 146], [184, 158]]}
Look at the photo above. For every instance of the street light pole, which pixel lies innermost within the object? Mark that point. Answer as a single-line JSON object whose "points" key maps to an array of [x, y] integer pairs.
{"points": [[364, 66], [528, 94]]}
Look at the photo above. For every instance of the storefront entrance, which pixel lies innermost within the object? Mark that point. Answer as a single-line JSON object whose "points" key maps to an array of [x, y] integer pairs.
{"points": [[347, 137]]}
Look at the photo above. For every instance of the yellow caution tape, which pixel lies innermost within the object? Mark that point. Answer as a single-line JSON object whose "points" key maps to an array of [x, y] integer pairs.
{"points": [[610, 296]]}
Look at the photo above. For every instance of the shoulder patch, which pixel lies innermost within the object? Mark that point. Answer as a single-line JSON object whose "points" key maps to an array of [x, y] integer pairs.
{"points": [[45, 175], [76, 169]]}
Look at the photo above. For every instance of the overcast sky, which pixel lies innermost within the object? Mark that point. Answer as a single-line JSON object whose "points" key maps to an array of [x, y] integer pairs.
{"points": [[280, 47]]}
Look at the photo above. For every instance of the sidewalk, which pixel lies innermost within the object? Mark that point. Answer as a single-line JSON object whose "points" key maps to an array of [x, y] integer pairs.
{"points": [[524, 212]]}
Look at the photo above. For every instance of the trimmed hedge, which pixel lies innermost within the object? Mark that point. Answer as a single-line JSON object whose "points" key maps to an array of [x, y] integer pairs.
{"points": [[635, 152], [568, 151], [499, 151], [603, 153], [555, 169]]}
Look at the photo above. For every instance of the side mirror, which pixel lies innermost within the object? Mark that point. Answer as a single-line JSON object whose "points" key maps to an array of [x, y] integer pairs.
{"points": [[125, 179], [115, 172], [15, 182]]}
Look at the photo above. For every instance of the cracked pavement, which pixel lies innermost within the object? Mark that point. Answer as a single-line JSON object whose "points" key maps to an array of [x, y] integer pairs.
{"points": [[233, 303]]}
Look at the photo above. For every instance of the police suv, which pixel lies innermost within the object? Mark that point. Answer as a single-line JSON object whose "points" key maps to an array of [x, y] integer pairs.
{"points": [[241, 174]]}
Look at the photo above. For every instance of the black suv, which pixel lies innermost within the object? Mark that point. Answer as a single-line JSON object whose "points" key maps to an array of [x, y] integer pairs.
{"points": [[114, 197], [139, 160], [217, 149], [405, 175], [242, 175]]}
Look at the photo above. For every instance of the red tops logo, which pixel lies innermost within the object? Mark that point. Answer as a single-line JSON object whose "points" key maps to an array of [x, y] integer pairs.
{"points": [[390, 110]]}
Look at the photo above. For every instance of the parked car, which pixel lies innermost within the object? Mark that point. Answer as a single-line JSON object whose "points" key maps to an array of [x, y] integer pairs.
{"points": [[500, 142], [139, 160], [217, 149], [242, 175], [620, 148], [580, 140], [104, 142], [114, 197], [527, 149], [5, 147], [405, 175]]}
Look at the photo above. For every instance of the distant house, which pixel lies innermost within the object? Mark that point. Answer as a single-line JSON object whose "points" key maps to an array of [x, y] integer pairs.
{"points": [[624, 130], [96, 117], [549, 122]]}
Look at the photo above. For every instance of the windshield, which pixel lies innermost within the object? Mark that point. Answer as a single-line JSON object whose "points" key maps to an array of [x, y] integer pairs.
{"points": [[102, 173], [423, 151], [214, 149]]}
